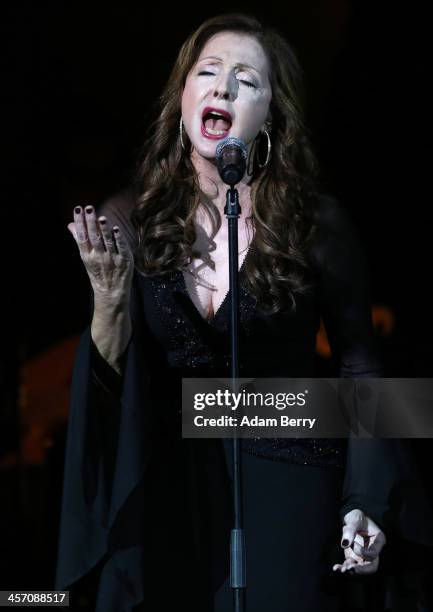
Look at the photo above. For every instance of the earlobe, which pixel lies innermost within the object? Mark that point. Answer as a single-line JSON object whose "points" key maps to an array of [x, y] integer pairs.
{"points": [[266, 127]]}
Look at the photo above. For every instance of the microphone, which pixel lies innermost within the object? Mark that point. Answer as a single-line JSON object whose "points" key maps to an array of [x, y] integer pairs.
{"points": [[231, 156]]}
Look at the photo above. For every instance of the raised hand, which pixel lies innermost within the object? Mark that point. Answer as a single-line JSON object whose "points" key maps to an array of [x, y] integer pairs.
{"points": [[106, 255]]}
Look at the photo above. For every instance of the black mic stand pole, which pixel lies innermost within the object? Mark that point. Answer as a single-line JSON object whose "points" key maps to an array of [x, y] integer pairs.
{"points": [[232, 211]]}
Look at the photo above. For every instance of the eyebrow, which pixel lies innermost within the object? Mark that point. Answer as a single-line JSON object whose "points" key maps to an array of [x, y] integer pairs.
{"points": [[239, 64]]}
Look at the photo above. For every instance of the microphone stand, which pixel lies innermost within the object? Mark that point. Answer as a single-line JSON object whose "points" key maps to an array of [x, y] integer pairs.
{"points": [[232, 211]]}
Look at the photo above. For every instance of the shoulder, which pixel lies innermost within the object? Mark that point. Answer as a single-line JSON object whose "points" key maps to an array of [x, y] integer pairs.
{"points": [[330, 215], [118, 208]]}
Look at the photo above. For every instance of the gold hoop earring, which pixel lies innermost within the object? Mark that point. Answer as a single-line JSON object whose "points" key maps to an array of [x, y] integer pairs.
{"points": [[180, 133], [268, 153]]}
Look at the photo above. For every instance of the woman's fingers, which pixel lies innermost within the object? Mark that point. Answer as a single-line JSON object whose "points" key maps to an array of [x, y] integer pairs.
{"points": [[108, 259], [81, 230], [355, 567], [373, 551], [94, 233], [361, 541], [94, 236], [343, 567], [107, 235], [347, 565], [354, 521], [362, 559], [367, 567], [122, 246], [356, 564], [93, 230], [71, 228]]}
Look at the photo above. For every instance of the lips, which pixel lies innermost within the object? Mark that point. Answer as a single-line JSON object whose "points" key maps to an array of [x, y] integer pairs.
{"points": [[216, 122], [217, 111]]}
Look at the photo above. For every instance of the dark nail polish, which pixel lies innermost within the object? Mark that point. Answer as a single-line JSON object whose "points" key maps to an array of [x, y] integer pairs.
{"points": [[345, 543], [78, 210], [102, 221], [89, 209]]}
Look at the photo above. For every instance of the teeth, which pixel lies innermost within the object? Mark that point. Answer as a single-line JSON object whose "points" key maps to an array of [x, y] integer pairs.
{"points": [[215, 132], [217, 115]]}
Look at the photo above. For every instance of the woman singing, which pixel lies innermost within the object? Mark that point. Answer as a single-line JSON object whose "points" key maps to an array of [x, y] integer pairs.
{"points": [[148, 512]]}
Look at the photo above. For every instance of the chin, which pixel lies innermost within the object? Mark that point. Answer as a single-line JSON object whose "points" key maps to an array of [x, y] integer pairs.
{"points": [[205, 149]]}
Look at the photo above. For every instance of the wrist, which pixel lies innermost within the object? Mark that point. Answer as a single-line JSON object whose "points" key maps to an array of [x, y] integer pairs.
{"points": [[111, 305], [111, 329]]}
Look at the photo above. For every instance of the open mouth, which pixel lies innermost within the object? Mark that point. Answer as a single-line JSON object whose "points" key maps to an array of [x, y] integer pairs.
{"points": [[215, 123]]}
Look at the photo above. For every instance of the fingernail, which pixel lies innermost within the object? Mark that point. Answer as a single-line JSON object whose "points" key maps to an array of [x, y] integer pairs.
{"points": [[102, 221], [345, 543], [89, 209], [116, 229], [78, 210]]}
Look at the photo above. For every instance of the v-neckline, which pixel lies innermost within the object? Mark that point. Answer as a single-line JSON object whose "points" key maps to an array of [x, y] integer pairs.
{"points": [[220, 307]]}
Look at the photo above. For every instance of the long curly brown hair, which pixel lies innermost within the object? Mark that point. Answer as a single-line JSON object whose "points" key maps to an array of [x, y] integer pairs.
{"points": [[166, 185]]}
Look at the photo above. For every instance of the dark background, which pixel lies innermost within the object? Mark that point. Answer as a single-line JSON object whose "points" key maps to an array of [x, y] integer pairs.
{"points": [[78, 85]]}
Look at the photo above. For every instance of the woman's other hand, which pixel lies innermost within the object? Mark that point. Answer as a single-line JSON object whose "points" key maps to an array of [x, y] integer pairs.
{"points": [[106, 255], [362, 541]]}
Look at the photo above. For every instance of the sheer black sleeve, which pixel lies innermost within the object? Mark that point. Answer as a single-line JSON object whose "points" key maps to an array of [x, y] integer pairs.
{"points": [[108, 451], [380, 474], [344, 293], [104, 377]]}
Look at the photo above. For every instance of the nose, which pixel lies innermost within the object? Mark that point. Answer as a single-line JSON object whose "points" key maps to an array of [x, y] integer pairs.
{"points": [[225, 87]]}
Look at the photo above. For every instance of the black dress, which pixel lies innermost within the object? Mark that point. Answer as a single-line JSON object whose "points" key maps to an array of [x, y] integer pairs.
{"points": [[152, 512]]}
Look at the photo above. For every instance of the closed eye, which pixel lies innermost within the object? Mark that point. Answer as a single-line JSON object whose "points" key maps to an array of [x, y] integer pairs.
{"points": [[247, 83], [240, 80]]}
